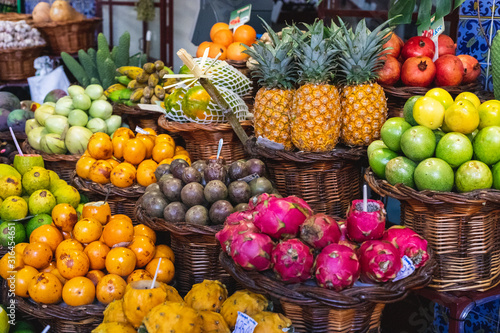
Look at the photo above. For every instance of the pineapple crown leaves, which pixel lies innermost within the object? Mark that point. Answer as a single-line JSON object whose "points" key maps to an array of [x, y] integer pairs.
{"points": [[361, 48]]}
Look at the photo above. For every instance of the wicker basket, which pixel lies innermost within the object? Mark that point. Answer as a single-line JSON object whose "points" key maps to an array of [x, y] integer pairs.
{"points": [[315, 309], [327, 181], [196, 251], [462, 229], [69, 36], [120, 200], [6, 136], [202, 140], [16, 17], [17, 64], [138, 117]]}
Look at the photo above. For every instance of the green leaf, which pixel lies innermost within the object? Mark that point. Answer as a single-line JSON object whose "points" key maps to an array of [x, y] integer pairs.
{"points": [[424, 14], [458, 3], [443, 8], [401, 7]]}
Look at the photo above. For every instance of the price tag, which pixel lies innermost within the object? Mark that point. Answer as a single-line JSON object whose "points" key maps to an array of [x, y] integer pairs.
{"points": [[244, 323], [249, 178], [240, 16], [436, 29], [407, 269], [140, 130]]}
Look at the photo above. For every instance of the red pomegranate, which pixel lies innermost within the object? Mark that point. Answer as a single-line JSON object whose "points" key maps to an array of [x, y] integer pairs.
{"points": [[390, 73], [418, 72], [472, 68], [418, 47], [446, 45], [395, 43], [449, 70]]}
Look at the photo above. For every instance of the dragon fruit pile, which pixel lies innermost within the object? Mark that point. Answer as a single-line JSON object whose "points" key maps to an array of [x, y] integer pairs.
{"points": [[283, 234]]}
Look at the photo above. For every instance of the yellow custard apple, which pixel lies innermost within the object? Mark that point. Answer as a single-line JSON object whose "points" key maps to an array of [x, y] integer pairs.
{"points": [[243, 301], [173, 317], [208, 295], [213, 322]]}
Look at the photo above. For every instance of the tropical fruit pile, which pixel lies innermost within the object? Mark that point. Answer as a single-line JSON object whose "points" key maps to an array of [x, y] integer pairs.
{"points": [[206, 192], [284, 235], [441, 144], [127, 158], [30, 190], [79, 257], [412, 62], [231, 45], [205, 308], [67, 124], [13, 113]]}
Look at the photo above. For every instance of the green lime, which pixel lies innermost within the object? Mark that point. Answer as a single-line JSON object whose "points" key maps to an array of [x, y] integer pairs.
{"points": [[37, 221], [434, 174], [11, 231], [378, 160], [408, 110], [391, 132], [400, 170]]}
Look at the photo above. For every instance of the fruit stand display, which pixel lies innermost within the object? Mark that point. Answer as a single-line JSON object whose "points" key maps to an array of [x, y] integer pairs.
{"points": [[14, 113]]}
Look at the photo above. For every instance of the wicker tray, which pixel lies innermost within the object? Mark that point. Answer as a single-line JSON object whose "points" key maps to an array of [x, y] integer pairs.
{"points": [[69, 36], [195, 248], [17, 64], [202, 140], [6, 136], [63, 165], [315, 309], [16, 17], [327, 181], [462, 229], [138, 117]]}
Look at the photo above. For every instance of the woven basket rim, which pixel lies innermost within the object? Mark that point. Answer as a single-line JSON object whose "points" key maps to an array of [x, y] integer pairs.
{"points": [[403, 192], [174, 127], [178, 228], [407, 92], [306, 295], [340, 152], [65, 23], [49, 157], [23, 49], [50, 311], [134, 191], [7, 136]]}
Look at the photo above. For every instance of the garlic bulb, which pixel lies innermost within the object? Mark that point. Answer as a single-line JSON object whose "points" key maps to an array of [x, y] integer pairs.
{"points": [[19, 35]]}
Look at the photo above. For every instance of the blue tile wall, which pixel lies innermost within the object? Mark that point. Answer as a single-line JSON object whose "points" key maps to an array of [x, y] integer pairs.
{"points": [[471, 39], [86, 7]]}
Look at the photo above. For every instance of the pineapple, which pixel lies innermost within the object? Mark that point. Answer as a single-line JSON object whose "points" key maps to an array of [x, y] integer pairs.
{"points": [[316, 112], [364, 105], [275, 70]]}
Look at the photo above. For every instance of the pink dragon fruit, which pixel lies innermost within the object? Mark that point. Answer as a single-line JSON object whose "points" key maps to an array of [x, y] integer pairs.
{"points": [[252, 250], [343, 230], [350, 244], [337, 267], [293, 260], [408, 243], [226, 235], [255, 201], [280, 218], [380, 261], [319, 231], [363, 226], [237, 217], [301, 203]]}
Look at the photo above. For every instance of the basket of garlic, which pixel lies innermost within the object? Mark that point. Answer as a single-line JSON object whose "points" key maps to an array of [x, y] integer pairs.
{"points": [[20, 45]]}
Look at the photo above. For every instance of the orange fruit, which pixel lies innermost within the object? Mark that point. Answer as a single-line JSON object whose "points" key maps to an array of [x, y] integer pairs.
{"points": [[50, 267], [164, 138], [182, 157], [48, 234], [64, 216], [215, 49], [7, 264], [66, 235], [223, 37], [144, 249], [78, 291], [146, 173], [164, 251], [83, 166], [109, 288], [38, 255], [201, 49], [144, 230], [23, 279], [73, 263], [138, 275], [122, 175], [124, 131], [86, 153], [235, 52], [95, 276], [100, 146], [245, 34], [162, 151], [98, 210], [59, 276], [118, 230], [87, 230], [149, 143], [166, 271], [100, 172], [121, 261], [113, 162], [97, 252], [118, 145], [166, 161], [150, 130], [68, 244], [19, 247], [45, 288], [134, 151], [216, 27], [179, 149], [120, 217]]}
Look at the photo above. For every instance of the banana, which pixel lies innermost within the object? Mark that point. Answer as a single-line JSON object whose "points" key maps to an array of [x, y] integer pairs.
{"points": [[148, 92], [143, 77], [159, 92], [149, 67], [123, 79], [137, 95], [131, 71], [159, 65], [153, 80], [114, 87], [114, 96], [134, 85], [125, 94]]}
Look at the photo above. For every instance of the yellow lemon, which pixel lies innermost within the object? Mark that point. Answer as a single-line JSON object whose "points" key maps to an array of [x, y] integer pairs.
{"points": [[462, 117], [428, 112], [470, 97]]}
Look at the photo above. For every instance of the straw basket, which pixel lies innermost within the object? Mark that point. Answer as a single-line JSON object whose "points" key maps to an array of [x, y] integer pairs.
{"points": [[202, 140], [315, 309], [6, 136], [17, 64], [120, 200], [327, 181], [463, 230], [195, 248], [63, 165], [138, 117], [69, 36]]}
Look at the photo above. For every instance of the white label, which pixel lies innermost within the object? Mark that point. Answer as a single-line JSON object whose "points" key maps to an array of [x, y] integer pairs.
{"points": [[249, 178], [407, 269], [244, 323], [140, 130], [436, 29]]}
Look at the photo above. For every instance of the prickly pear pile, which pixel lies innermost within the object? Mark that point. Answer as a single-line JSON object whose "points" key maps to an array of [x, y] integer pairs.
{"points": [[283, 234]]}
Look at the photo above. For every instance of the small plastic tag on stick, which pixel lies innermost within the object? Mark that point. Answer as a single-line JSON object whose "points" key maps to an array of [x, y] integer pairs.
{"points": [[244, 323], [407, 269], [140, 130], [249, 178]]}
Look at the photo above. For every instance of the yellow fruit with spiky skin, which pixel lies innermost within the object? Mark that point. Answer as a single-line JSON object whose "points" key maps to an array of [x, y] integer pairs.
{"points": [[208, 295], [114, 312], [213, 322], [243, 301], [114, 328], [172, 293], [270, 322], [139, 299], [173, 317]]}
